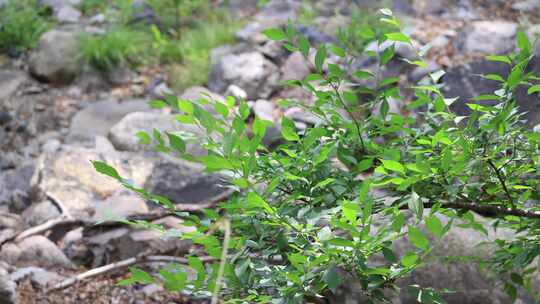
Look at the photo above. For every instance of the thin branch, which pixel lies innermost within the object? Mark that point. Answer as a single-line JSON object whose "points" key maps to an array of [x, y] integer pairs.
{"points": [[502, 181], [485, 209], [142, 259], [48, 225]]}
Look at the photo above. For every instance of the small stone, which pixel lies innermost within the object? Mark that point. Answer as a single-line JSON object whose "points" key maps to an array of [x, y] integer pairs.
{"points": [[122, 135], [8, 289], [40, 213], [68, 14], [236, 92], [39, 276], [250, 71], [488, 37], [296, 67], [40, 251], [264, 109], [120, 206], [56, 57]]}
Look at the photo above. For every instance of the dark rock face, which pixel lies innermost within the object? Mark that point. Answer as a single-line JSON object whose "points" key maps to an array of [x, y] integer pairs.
{"points": [[464, 82], [184, 183]]}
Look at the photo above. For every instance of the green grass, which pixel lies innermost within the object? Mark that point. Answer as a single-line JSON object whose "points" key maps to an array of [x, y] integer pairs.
{"points": [[119, 46], [22, 22], [181, 44], [192, 51]]}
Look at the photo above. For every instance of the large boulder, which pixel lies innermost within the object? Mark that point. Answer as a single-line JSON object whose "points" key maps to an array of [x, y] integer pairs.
{"points": [[122, 135], [250, 71], [35, 250], [463, 82], [55, 59], [68, 176], [488, 37], [97, 118]]}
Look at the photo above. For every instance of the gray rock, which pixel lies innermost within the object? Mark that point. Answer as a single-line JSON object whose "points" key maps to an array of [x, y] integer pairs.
{"points": [[197, 92], [122, 135], [128, 242], [40, 213], [119, 206], [296, 67], [236, 92], [68, 14], [39, 276], [279, 10], [70, 178], [99, 117], [8, 289], [10, 81], [15, 187], [56, 57], [463, 82], [250, 71], [264, 109], [184, 182], [488, 37], [526, 6], [428, 7], [37, 251], [10, 225]]}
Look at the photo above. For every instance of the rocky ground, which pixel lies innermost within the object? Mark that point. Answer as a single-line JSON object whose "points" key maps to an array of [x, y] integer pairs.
{"points": [[56, 116]]}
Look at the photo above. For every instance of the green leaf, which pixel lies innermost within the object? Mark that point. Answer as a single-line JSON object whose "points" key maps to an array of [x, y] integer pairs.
{"points": [[523, 42], [320, 56], [418, 239], [504, 59], [255, 200], [534, 89], [176, 142], [393, 165], [198, 266], [174, 281], [332, 278], [303, 45], [275, 34], [288, 130], [363, 74], [215, 162], [105, 169], [409, 259], [144, 138], [434, 225], [186, 106], [415, 205], [157, 104], [398, 36]]}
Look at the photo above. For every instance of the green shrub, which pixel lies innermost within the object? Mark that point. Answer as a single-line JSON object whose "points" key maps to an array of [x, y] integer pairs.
{"points": [[21, 24], [117, 47], [305, 213]]}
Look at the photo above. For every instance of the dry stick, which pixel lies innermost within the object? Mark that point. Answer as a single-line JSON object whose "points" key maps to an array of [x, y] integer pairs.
{"points": [[50, 224], [485, 209], [123, 264]]}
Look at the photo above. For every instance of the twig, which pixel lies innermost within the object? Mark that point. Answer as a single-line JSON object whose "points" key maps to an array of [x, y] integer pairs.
{"points": [[502, 181], [485, 209], [47, 226], [141, 259], [227, 231]]}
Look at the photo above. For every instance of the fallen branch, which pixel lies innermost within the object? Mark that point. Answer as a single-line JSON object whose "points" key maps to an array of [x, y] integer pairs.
{"points": [[48, 225], [485, 210], [142, 259]]}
